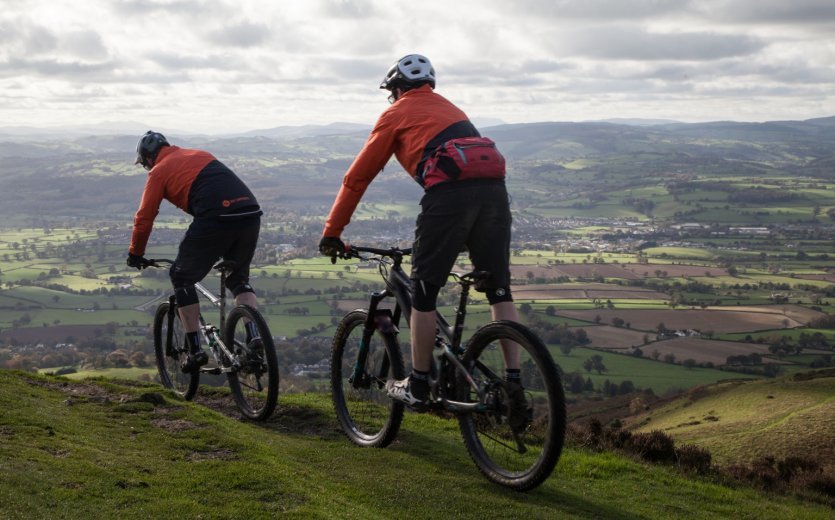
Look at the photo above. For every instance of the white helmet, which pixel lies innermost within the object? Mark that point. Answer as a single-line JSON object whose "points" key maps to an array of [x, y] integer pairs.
{"points": [[408, 72]]}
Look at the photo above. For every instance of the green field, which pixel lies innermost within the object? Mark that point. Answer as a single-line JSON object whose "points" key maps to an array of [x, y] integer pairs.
{"points": [[662, 378]]}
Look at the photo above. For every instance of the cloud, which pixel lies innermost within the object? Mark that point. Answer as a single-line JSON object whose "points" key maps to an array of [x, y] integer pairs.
{"points": [[21, 37], [139, 9], [597, 10], [175, 62], [636, 44], [53, 67], [240, 34], [84, 44], [352, 9], [779, 12]]}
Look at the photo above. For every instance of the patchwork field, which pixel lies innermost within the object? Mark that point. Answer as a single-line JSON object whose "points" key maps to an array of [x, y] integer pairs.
{"points": [[708, 351], [717, 319], [588, 291], [614, 338]]}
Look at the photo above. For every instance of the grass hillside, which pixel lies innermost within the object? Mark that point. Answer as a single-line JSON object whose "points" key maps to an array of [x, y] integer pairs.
{"points": [[107, 449], [744, 421]]}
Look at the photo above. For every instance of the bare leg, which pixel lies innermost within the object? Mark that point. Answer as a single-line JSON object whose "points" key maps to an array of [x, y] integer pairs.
{"points": [[510, 349], [422, 331], [190, 316]]}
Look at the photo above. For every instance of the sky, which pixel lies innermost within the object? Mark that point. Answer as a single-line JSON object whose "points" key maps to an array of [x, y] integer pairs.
{"points": [[216, 66]]}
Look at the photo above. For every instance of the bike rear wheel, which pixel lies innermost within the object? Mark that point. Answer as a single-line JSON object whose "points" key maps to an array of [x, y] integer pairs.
{"points": [[171, 351], [515, 444], [254, 384], [367, 415]]}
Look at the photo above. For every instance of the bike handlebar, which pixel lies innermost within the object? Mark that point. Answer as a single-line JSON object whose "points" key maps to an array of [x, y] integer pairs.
{"points": [[354, 251], [157, 262]]}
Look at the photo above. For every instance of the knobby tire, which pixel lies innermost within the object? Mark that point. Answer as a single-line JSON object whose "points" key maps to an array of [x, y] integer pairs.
{"points": [[491, 442], [368, 417], [170, 350], [255, 384]]}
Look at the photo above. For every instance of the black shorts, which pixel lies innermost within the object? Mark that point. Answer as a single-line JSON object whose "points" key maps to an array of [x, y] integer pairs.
{"points": [[472, 215], [208, 240]]}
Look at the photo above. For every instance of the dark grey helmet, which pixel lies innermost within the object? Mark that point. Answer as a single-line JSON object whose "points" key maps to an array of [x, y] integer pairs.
{"points": [[148, 147]]}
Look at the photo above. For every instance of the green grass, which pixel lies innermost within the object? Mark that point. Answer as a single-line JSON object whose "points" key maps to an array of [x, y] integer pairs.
{"points": [[99, 449], [790, 415], [108, 373]]}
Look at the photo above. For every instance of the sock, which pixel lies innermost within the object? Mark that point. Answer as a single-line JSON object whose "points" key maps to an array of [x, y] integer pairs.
{"points": [[193, 339], [419, 384], [513, 375]]}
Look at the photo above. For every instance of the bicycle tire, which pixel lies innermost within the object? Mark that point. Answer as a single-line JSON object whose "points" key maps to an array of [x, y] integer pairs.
{"points": [[491, 442], [255, 384], [368, 417], [170, 352]]}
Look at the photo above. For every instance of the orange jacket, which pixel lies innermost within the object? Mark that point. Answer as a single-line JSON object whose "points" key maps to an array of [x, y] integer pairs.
{"points": [[404, 129], [174, 177]]}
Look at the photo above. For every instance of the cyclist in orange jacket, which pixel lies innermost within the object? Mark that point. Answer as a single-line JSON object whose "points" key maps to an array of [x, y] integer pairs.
{"points": [[227, 221], [461, 208]]}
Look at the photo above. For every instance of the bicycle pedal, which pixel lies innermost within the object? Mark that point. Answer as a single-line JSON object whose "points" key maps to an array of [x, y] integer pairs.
{"points": [[211, 370]]}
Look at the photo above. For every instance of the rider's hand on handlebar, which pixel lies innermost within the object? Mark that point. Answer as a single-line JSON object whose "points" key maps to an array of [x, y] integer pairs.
{"points": [[332, 247], [137, 261]]}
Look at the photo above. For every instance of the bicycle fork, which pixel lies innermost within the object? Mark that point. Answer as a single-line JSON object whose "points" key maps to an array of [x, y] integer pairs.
{"points": [[377, 319]]}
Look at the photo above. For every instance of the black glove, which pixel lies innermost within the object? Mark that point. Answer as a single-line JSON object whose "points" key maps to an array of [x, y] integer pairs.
{"points": [[137, 261], [332, 247]]}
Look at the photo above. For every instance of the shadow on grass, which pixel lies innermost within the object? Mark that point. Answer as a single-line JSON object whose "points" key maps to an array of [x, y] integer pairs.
{"points": [[426, 447]]}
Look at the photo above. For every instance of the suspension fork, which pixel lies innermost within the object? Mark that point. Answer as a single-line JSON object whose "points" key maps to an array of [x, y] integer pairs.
{"points": [[169, 333], [376, 319]]}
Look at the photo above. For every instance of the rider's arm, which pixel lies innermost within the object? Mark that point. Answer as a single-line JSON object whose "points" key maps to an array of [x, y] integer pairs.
{"points": [[378, 149], [143, 222]]}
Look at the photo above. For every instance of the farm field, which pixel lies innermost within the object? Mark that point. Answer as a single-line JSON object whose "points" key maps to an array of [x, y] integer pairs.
{"points": [[645, 373], [615, 338], [717, 319], [708, 351], [588, 291]]}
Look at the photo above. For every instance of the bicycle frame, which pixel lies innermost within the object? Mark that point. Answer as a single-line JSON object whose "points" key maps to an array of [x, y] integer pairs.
{"points": [[398, 285], [210, 332]]}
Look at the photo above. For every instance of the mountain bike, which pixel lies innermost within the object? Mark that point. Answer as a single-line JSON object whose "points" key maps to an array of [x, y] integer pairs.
{"points": [[513, 444], [248, 360]]}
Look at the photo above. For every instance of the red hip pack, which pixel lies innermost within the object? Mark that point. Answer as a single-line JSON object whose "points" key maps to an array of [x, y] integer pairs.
{"points": [[460, 159]]}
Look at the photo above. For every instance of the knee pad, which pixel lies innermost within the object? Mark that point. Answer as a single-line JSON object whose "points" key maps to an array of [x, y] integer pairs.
{"points": [[499, 294], [241, 288], [425, 296], [185, 295]]}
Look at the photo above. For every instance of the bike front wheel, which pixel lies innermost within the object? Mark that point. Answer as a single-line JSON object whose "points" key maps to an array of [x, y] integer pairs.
{"points": [[171, 351], [518, 437], [367, 415], [254, 384]]}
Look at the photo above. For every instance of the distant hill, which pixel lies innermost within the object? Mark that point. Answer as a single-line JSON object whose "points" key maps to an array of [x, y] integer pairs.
{"points": [[743, 421], [591, 163], [295, 132]]}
